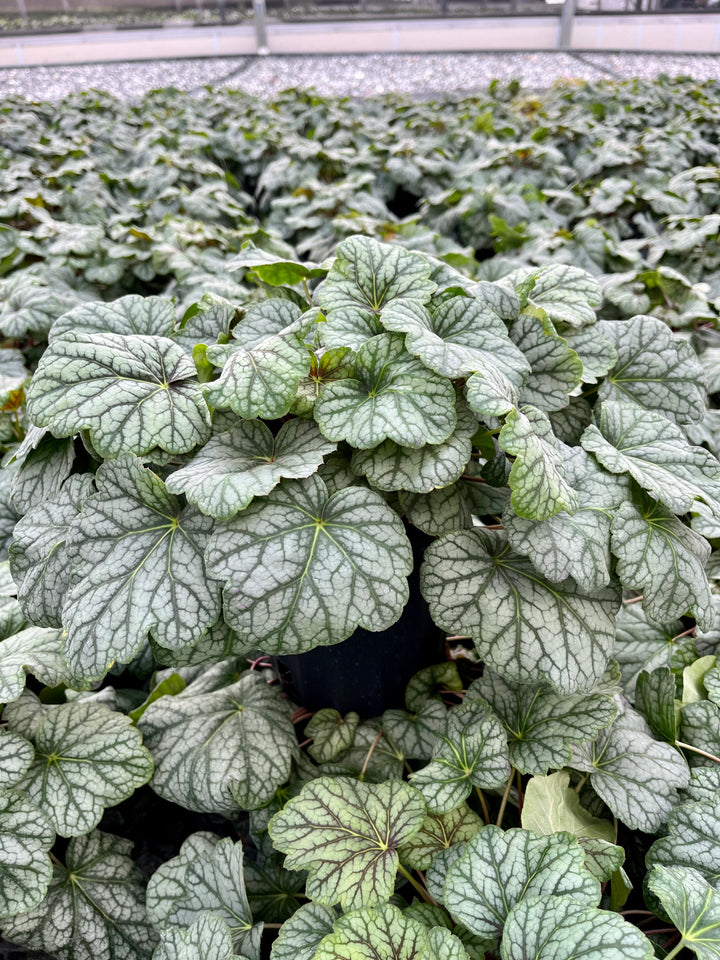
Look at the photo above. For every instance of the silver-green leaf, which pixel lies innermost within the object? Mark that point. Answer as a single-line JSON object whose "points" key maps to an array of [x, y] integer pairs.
{"points": [[87, 758], [206, 875], [130, 393], [94, 908], [346, 834], [656, 453], [521, 624], [25, 839], [537, 478], [304, 569], [221, 749], [540, 724], [499, 869], [559, 928], [470, 752], [654, 369], [138, 568], [664, 560], [247, 461], [391, 397], [369, 275]]}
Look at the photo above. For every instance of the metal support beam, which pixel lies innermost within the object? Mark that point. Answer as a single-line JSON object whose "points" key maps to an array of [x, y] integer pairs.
{"points": [[567, 16], [260, 31]]}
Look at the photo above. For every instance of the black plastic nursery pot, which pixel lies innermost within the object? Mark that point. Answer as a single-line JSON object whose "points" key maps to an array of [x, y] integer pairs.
{"points": [[368, 672]]}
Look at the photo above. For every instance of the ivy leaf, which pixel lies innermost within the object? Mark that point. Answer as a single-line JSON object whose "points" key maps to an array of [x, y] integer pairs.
{"points": [[499, 869], [132, 524], [461, 336], [36, 649], [439, 831], [521, 625], [654, 369], [471, 752], [575, 544], [126, 316], [556, 370], [692, 905], [637, 776], [541, 724], [260, 377], [38, 558], [392, 396], [208, 937], [278, 554], [564, 294], [131, 394], [222, 749], [25, 839], [207, 875], [537, 478], [86, 758], [346, 835], [247, 461], [692, 840], [422, 469], [656, 454], [331, 733], [94, 908], [665, 560], [300, 936], [387, 932], [558, 928], [369, 275]]}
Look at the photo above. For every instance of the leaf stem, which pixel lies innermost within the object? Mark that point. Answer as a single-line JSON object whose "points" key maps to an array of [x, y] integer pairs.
{"points": [[581, 783], [703, 753], [633, 600], [675, 951], [420, 889], [520, 791], [505, 798], [375, 742], [483, 804]]}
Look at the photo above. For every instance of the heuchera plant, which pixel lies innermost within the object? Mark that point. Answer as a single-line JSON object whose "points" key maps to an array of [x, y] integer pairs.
{"points": [[194, 495]]}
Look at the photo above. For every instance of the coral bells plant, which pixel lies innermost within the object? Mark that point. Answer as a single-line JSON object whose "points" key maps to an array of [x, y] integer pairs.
{"points": [[192, 493]]}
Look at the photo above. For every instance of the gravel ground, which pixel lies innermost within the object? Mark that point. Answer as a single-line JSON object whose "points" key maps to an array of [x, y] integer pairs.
{"points": [[362, 75]]}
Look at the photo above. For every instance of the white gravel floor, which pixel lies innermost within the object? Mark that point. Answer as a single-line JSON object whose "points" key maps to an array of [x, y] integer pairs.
{"points": [[362, 75]]}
